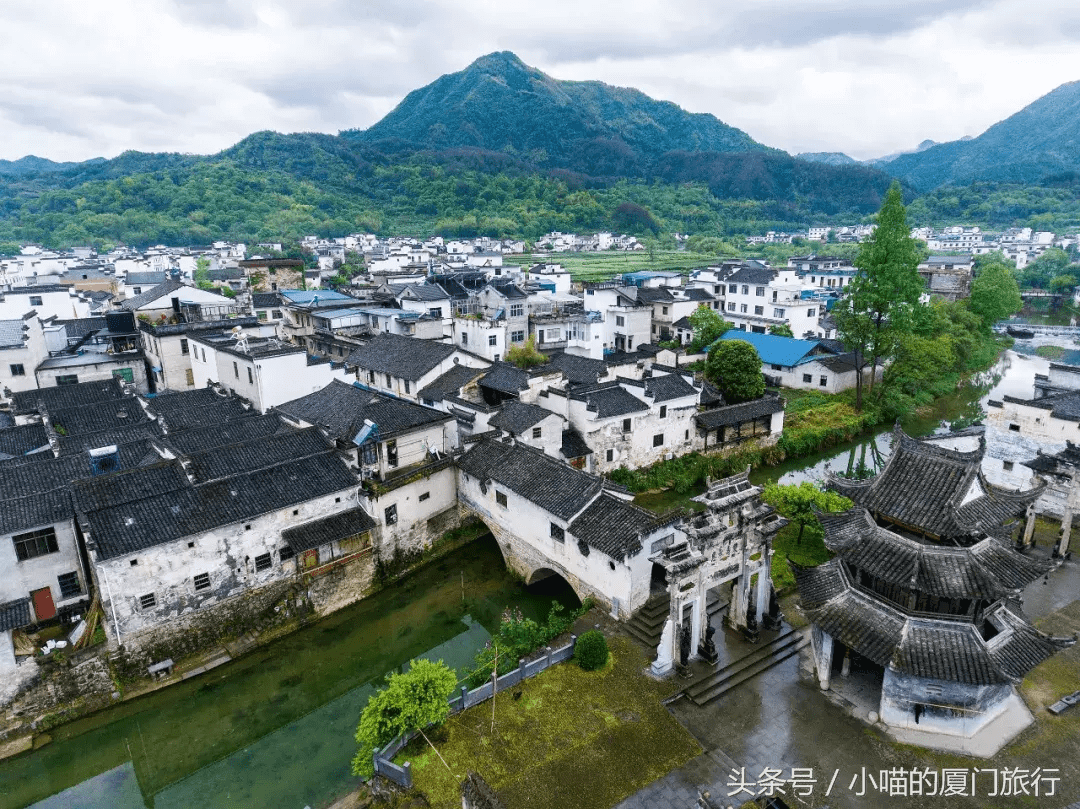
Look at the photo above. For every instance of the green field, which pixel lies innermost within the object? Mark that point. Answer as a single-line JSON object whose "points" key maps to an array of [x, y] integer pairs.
{"points": [[606, 265]]}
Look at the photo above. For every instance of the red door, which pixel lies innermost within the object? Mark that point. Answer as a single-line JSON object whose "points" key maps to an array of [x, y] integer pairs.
{"points": [[44, 608]]}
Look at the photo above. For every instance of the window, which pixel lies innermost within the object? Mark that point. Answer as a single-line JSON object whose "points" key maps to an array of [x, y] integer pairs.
{"points": [[67, 379], [743, 308], [69, 584], [464, 339], [204, 355], [557, 533], [811, 312], [202, 582], [371, 377], [823, 381], [664, 309], [424, 496], [133, 562], [391, 453], [493, 340], [626, 423], [517, 337], [35, 543], [390, 515], [183, 346], [745, 289], [126, 374], [261, 314], [435, 312], [807, 378], [517, 310], [148, 601], [620, 320], [733, 288], [35, 300], [251, 379], [236, 370], [610, 455], [275, 314], [17, 369], [1014, 427], [137, 290], [776, 367], [774, 296], [759, 292], [663, 411], [759, 310], [406, 381], [286, 553], [262, 562], [500, 498], [190, 376], [1007, 466], [389, 381], [778, 313], [731, 306], [658, 440]]}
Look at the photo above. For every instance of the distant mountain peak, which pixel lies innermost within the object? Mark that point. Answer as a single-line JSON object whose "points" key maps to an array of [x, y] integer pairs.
{"points": [[499, 62]]}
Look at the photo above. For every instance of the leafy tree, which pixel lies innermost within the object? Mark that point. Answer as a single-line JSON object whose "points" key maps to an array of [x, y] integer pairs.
{"points": [[1062, 283], [994, 293], [526, 355], [884, 294], [800, 503], [1039, 273], [202, 272], [10, 249], [781, 330], [708, 327], [411, 701], [735, 368], [228, 292]]}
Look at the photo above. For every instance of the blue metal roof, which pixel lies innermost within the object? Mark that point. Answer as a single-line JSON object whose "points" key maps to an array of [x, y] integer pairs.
{"points": [[308, 295], [774, 349]]}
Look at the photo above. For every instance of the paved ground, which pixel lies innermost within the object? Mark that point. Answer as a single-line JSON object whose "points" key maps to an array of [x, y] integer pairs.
{"points": [[780, 720]]}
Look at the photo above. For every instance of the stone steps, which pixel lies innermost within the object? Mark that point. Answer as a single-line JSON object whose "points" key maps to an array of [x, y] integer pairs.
{"points": [[647, 624], [715, 685]]}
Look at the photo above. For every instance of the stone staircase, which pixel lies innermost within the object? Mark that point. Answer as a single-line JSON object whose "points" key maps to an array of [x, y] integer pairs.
{"points": [[647, 624], [725, 678]]}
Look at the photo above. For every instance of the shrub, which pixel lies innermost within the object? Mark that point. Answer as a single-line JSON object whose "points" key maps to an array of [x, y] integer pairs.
{"points": [[591, 652]]}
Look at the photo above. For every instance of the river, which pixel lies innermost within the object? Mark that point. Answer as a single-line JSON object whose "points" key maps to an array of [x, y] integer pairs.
{"points": [[275, 728]]}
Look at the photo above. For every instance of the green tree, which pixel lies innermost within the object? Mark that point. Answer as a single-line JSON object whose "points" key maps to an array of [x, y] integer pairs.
{"points": [[1060, 284], [708, 327], [1050, 264], [526, 355], [781, 330], [994, 293], [801, 503], [202, 272], [884, 294], [735, 368], [410, 702]]}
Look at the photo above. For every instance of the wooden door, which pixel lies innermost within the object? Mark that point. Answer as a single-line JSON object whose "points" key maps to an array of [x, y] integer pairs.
{"points": [[44, 608]]}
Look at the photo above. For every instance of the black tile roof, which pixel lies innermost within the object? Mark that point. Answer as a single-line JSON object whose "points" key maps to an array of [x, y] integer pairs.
{"points": [[549, 483], [922, 489], [738, 413], [167, 403], [265, 300], [329, 529], [135, 436], [578, 370], [423, 292], [93, 493], [505, 378], [666, 387], [151, 295], [1061, 463], [211, 436], [214, 412], [609, 400], [751, 274], [22, 439], [65, 396], [145, 278], [516, 417], [405, 357], [95, 418], [573, 445], [260, 453], [342, 410], [451, 383], [698, 294], [35, 510], [612, 526], [15, 614], [132, 527], [80, 327]]}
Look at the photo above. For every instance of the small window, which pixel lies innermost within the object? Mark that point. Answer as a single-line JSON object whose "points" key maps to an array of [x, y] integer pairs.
{"points": [[517, 336], [134, 563], [191, 544], [202, 582], [620, 320], [745, 289], [687, 436], [391, 453], [464, 339], [807, 379], [407, 390], [389, 381], [424, 496], [236, 370], [500, 498], [371, 377], [626, 423], [17, 369], [247, 527], [1007, 466], [536, 432], [35, 300], [390, 515], [823, 381], [759, 310], [658, 440], [779, 313], [665, 309], [1014, 427], [203, 355], [610, 455], [286, 553], [663, 411], [275, 314], [759, 292], [517, 310], [733, 288], [262, 562], [190, 376], [557, 533], [731, 306], [251, 379], [776, 367], [743, 308], [493, 340], [148, 601], [183, 346], [811, 312], [69, 584], [35, 543], [67, 379]]}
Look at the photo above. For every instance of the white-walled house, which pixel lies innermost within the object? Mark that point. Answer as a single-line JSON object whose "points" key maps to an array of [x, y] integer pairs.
{"points": [[404, 365], [45, 300]]}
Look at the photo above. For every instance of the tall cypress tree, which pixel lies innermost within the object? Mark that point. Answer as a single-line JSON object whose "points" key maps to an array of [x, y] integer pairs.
{"points": [[882, 297]]}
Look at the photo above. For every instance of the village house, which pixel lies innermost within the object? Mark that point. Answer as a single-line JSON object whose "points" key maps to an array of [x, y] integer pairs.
{"points": [[45, 300], [804, 364], [403, 366], [273, 274]]}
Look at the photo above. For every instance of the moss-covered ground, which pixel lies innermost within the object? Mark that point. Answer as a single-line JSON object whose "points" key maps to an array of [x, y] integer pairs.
{"points": [[809, 552], [668, 500], [566, 738]]}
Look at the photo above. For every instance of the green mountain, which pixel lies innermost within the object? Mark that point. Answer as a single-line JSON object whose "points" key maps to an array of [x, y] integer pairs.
{"points": [[829, 158], [1038, 144], [31, 164]]}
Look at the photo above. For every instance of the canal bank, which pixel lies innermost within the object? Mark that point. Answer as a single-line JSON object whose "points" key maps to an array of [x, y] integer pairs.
{"points": [[274, 728]]}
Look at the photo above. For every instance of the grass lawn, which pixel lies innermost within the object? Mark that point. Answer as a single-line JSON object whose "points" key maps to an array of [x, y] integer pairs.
{"points": [[808, 553], [573, 739], [668, 500], [606, 265]]}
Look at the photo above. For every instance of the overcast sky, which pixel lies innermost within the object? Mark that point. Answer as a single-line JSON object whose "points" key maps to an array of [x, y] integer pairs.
{"points": [[82, 79]]}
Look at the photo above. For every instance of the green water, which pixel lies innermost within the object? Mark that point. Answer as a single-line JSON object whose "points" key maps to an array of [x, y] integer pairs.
{"points": [[274, 729]]}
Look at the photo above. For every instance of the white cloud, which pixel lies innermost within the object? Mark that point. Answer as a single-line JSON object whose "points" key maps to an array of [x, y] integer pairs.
{"points": [[78, 80]]}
